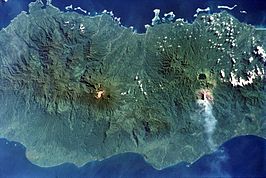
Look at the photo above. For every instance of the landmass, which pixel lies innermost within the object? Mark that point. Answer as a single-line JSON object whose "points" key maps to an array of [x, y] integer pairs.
{"points": [[76, 88]]}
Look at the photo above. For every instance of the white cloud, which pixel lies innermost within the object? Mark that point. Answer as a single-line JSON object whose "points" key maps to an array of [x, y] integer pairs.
{"points": [[209, 121]]}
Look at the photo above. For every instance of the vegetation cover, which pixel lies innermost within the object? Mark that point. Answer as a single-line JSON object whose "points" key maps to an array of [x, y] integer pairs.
{"points": [[76, 88]]}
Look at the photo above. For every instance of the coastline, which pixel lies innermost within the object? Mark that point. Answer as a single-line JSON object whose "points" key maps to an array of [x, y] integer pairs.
{"points": [[100, 161], [115, 160]]}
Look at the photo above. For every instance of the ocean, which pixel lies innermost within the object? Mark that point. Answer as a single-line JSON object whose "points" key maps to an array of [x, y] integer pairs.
{"points": [[137, 13], [243, 156]]}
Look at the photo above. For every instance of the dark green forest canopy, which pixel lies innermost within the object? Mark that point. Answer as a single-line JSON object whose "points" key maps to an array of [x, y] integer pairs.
{"points": [[77, 88]]}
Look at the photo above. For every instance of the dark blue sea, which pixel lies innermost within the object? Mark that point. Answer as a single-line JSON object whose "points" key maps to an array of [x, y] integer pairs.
{"points": [[243, 156], [240, 157]]}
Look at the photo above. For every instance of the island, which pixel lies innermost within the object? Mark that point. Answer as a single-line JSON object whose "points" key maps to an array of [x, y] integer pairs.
{"points": [[77, 88]]}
